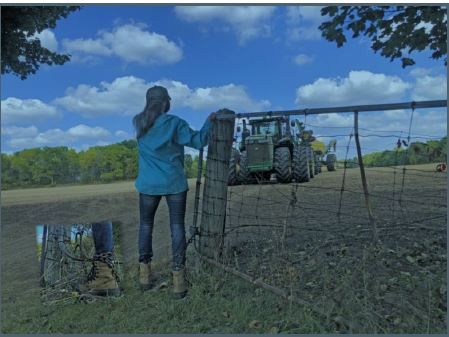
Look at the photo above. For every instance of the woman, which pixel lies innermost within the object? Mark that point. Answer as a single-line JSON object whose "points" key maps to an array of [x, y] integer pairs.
{"points": [[161, 139]]}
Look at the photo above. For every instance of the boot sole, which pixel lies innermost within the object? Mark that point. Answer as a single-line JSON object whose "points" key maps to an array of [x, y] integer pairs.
{"points": [[105, 292]]}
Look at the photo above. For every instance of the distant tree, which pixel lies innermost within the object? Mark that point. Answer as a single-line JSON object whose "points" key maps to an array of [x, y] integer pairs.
{"points": [[7, 178], [60, 165], [108, 163], [89, 165], [22, 166], [443, 144], [395, 31], [22, 54], [432, 151], [188, 162], [130, 144]]}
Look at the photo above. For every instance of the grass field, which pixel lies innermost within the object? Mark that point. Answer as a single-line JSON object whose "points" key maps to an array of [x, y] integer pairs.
{"points": [[63, 193], [360, 289]]}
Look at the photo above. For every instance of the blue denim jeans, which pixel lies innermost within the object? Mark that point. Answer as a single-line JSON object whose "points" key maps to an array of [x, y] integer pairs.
{"points": [[177, 208], [102, 234]]}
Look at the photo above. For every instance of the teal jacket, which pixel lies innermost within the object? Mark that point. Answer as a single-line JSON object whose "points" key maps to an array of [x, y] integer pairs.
{"points": [[161, 155]]}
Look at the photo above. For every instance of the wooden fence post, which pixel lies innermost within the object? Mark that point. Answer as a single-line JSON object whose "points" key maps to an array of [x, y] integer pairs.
{"points": [[43, 255], [53, 256], [213, 216], [363, 176]]}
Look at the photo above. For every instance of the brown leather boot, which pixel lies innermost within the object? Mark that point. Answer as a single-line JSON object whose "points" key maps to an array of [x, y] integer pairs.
{"points": [[102, 280], [179, 284], [144, 275]]}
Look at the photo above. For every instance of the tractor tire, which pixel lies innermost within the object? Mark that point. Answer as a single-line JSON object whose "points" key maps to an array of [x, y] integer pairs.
{"points": [[317, 164], [283, 164], [233, 168], [301, 172], [244, 176], [330, 162], [311, 161]]}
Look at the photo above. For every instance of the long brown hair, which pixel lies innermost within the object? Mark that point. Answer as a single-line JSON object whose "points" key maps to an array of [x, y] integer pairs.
{"points": [[156, 105]]}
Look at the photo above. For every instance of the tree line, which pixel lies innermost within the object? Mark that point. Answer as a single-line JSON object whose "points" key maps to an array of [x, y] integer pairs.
{"points": [[51, 166], [432, 151]]}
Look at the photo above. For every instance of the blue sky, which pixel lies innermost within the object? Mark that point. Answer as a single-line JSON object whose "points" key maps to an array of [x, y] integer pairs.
{"points": [[253, 58]]}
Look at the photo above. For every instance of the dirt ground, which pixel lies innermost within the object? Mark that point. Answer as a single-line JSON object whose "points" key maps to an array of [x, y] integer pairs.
{"points": [[315, 241], [308, 247]]}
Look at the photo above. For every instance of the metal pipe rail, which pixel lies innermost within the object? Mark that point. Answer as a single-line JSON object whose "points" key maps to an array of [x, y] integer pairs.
{"points": [[353, 108]]}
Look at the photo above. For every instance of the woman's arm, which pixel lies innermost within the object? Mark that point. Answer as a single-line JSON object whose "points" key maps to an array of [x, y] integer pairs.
{"points": [[191, 138]]}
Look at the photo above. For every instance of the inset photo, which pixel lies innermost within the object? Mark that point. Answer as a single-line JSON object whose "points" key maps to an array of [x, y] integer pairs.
{"points": [[79, 262]]}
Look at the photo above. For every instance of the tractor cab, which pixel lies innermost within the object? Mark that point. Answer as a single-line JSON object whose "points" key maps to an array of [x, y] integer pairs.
{"points": [[273, 130], [262, 127]]}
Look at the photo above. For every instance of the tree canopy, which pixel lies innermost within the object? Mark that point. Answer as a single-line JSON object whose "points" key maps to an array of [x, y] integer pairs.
{"points": [[51, 166], [395, 31], [22, 52], [432, 151]]}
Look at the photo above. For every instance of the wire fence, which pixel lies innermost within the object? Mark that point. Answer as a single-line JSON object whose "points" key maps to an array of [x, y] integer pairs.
{"points": [[66, 254], [312, 243]]}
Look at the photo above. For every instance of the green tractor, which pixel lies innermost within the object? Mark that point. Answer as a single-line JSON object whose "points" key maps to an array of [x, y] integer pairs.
{"points": [[268, 149]]}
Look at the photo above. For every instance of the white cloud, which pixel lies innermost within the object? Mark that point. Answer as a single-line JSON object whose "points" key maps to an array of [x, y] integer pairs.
{"points": [[88, 46], [84, 131], [129, 42], [20, 132], [303, 22], [133, 44], [126, 96], [48, 39], [418, 72], [56, 137], [433, 123], [247, 22], [430, 88], [123, 96], [333, 120], [301, 59], [229, 96], [360, 87], [25, 111], [121, 134]]}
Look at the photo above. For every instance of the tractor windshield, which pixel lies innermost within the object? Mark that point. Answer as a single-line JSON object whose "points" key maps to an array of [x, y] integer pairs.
{"points": [[265, 128]]}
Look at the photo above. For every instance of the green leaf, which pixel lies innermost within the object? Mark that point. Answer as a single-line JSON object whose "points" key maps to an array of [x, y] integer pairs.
{"points": [[392, 29], [407, 62]]}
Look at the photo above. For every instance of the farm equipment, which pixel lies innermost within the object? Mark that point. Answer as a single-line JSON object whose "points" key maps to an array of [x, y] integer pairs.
{"points": [[324, 155], [269, 149], [317, 153], [307, 140]]}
